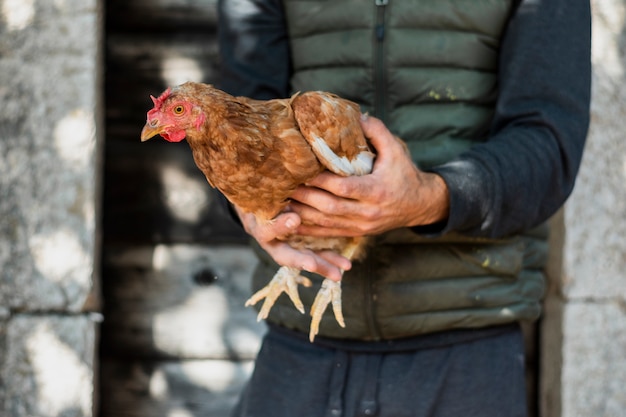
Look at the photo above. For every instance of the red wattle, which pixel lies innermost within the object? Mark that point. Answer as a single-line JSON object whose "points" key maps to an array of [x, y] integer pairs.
{"points": [[175, 136]]}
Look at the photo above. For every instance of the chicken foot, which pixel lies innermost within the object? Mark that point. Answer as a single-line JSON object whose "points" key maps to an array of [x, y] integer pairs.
{"points": [[330, 293], [285, 280]]}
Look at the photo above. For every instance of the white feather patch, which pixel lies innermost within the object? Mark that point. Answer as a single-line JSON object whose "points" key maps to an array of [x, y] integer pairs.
{"points": [[341, 165]]}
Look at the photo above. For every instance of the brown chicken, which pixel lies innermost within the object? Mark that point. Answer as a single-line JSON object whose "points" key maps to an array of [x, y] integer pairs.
{"points": [[258, 152]]}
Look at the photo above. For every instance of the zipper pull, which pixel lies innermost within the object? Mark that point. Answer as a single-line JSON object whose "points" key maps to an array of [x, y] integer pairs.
{"points": [[380, 25]]}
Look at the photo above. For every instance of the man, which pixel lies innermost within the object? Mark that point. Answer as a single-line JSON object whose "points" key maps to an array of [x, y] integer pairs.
{"points": [[492, 98]]}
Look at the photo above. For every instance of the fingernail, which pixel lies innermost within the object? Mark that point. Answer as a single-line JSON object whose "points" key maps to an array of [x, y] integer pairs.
{"points": [[290, 223], [365, 116]]}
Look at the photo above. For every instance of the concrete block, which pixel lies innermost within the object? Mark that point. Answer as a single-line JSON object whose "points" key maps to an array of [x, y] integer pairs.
{"points": [[49, 64], [595, 245], [584, 330], [47, 365], [594, 360]]}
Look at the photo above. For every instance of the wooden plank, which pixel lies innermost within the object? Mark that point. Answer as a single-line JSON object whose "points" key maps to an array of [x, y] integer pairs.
{"points": [[175, 329], [201, 388], [151, 45], [154, 193], [164, 15], [179, 301], [136, 195], [142, 64]]}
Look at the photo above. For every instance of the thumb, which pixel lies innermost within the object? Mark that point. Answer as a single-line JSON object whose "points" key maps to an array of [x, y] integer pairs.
{"points": [[282, 225], [286, 223], [378, 135], [265, 231]]}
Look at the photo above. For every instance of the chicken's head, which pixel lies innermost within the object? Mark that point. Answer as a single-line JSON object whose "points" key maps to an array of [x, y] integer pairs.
{"points": [[171, 117]]}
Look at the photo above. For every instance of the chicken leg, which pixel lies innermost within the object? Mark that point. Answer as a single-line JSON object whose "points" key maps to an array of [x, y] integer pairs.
{"points": [[330, 293], [285, 280]]}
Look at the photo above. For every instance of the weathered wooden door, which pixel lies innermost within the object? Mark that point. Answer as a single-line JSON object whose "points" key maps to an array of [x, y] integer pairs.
{"points": [[176, 340]]}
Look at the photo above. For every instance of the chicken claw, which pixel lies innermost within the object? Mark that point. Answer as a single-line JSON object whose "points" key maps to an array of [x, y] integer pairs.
{"points": [[330, 292], [285, 280]]}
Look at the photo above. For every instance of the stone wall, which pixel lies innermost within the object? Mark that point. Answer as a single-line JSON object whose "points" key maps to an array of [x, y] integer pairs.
{"points": [[49, 175], [584, 333]]}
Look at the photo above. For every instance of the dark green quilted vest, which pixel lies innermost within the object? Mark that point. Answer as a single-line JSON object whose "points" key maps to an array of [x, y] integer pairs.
{"points": [[428, 69]]}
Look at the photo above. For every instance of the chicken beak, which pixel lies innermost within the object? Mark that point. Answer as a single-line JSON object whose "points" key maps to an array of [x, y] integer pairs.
{"points": [[149, 131]]}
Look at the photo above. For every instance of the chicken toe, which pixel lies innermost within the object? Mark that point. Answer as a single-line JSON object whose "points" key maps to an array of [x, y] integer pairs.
{"points": [[285, 280], [330, 292]]}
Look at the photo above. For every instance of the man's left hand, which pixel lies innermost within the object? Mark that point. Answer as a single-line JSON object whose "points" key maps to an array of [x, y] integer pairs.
{"points": [[395, 194]]}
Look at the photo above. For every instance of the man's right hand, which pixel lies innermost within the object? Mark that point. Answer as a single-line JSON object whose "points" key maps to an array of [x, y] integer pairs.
{"points": [[270, 237]]}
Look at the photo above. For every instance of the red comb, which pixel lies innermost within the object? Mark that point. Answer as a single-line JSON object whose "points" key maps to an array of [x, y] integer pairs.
{"points": [[158, 102]]}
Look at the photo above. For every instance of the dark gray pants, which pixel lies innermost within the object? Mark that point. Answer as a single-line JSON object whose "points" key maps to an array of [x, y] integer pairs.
{"points": [[482, 377]]}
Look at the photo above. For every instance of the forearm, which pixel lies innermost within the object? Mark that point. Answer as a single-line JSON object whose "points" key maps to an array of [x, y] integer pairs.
{"points": [[527, 168]]}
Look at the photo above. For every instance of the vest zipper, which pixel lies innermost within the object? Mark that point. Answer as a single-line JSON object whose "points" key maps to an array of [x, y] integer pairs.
{"points": [[380, 105], [380, 112]]}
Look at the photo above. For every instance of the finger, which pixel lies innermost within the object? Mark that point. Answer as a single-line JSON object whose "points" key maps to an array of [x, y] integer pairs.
{"points": [[311, 204], [317, 264], [332, 183], [326, 269], [310, 196], [346, 187], [343, 215], [307, 260], [334, 258], [321, 231], [379, 136], [376, 131], [283, 225]]}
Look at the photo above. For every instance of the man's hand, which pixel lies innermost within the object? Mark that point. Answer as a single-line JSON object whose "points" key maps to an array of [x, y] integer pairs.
{"points": [[396, 194], [325, 263]]}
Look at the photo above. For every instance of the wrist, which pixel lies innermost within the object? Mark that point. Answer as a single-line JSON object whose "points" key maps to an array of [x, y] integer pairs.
{"points": [[440, 198], [434, 200]]}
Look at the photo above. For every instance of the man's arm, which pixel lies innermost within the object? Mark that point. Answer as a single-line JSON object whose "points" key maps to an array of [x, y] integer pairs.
{"points": [[527, 169], [515, 180]]}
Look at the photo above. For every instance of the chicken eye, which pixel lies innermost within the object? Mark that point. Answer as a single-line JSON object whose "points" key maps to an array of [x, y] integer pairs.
{"points": [[179, 109]]}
